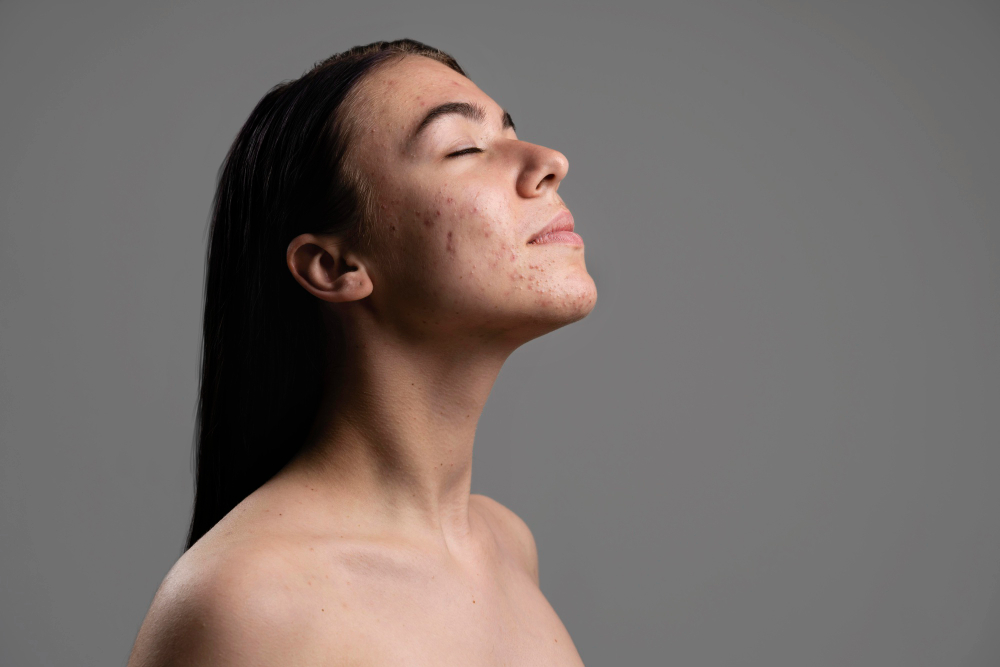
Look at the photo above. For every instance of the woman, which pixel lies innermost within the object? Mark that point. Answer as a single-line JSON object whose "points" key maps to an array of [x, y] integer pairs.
{"points": [[381, 242]]}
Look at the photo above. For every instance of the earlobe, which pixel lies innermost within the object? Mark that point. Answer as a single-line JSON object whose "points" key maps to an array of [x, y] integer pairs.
{"points": [[319, 264]]}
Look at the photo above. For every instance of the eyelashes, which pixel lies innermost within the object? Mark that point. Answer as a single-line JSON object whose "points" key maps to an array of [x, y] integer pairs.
{"points": [[465, 151]]}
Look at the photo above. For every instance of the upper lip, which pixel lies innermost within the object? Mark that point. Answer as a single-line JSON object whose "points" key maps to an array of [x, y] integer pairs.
{"points": [[562, 222]]}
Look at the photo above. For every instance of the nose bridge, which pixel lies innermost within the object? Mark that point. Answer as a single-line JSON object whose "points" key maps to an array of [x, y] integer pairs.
{"points": [[542, 169]]}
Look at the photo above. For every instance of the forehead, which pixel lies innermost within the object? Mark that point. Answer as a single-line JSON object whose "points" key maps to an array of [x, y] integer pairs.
{"points": [[392, 100]]}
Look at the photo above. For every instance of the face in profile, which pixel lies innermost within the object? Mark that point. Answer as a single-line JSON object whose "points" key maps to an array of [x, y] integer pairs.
{"points": [[462, 211]]}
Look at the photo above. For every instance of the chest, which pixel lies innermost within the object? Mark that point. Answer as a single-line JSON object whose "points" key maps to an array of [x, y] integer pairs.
{"points": [[499, 618]]}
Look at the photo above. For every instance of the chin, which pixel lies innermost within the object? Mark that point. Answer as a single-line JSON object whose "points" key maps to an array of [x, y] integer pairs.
{"points": [[554, 307], [577, 298]]}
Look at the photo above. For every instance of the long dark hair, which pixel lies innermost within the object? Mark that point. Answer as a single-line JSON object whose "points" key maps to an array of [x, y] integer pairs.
{"points": [[264, 343]]}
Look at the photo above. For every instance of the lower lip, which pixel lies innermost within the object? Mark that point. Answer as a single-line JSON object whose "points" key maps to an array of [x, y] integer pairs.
{"points": [[567, 238]]}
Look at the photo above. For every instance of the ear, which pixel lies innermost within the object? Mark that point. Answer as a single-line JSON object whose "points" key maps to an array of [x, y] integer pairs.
{"points": [[325, 270]]}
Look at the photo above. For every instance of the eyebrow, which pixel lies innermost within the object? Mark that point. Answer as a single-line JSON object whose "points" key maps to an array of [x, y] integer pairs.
{"points": [[471, 111]]}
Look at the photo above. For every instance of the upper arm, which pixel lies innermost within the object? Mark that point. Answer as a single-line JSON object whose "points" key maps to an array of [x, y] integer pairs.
{"points": [[176, 628], [516, 532], [225, 615]]}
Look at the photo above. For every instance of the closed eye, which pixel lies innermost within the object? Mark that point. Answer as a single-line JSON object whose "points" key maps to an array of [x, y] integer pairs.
{"points": [[465, 151]]}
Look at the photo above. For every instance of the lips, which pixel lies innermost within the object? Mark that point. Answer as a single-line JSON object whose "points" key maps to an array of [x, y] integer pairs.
{"points": [[563, 222]]}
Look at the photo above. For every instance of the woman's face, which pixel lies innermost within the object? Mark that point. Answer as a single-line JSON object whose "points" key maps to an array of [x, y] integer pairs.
{"points": [[458, 204]]}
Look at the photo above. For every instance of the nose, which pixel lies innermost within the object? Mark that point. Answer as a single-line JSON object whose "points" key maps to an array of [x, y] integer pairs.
{"points": [[543, 170]]}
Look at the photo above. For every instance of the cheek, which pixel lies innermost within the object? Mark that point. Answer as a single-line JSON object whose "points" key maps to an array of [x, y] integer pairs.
{"points": [[481, 242], [461, 241], [471, 230]]}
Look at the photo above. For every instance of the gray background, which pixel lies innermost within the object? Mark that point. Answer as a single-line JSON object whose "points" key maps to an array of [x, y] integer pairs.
{"points": [[774, 442]]}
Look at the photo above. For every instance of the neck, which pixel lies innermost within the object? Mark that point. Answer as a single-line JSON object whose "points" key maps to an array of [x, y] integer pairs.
{"points": [[394, 433]]}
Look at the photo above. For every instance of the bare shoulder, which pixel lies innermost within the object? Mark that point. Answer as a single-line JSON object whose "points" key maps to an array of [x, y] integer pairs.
{"points": [[230, 607], [513, 528]]}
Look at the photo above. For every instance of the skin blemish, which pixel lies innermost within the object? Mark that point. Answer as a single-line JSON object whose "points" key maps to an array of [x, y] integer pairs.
{"points": [[450, 247]]}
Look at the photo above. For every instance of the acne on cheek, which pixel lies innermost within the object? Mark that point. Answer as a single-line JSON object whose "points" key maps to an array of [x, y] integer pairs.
{"points": [[387, 220], [430, 219]]}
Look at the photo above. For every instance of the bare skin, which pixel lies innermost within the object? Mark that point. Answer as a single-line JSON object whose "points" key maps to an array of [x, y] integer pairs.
{"points": [[368, 548]]}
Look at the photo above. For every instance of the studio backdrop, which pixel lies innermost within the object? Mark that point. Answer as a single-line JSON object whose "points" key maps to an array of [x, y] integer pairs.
{"points": [[776, 439]]}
